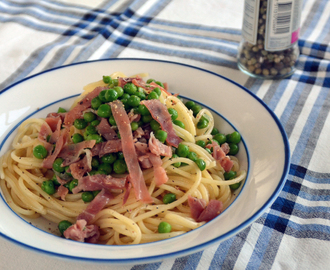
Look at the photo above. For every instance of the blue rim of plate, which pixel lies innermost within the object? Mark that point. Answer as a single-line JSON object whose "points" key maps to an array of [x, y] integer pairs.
{"points": [[196, 248]]}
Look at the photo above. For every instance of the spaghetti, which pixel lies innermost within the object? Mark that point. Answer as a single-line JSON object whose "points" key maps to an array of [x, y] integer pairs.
{"points": [[198, 166]]}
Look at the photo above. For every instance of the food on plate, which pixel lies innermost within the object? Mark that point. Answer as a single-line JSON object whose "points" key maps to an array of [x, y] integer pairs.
{"points": [[128, 163]]}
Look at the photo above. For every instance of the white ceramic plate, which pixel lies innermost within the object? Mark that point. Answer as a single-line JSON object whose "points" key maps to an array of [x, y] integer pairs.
{"points": [[266, 160]]}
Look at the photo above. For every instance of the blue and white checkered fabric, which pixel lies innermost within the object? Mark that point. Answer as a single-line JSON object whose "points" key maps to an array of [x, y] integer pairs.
{"points": [[295, 232]]}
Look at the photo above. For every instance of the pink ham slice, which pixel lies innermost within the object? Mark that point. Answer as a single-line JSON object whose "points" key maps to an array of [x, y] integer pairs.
{"points": [[85, 103], [98, 182], [158, 148], [44, 132], [82, 232], [79, 168], [62, 191], [220, 155], [71, 152], [62, 140], [95, 206], [202, 212], [160, 113], [105, 130], [111, 146], [159, 172], [135, 172]]}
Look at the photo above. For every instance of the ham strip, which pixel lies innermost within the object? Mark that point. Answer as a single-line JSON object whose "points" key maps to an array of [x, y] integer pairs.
{"points": [[79, 168], [159, 171], [98, 182], [95, 206], [135, 172], [71, 152], [62, 140], [202, 212], [44, 132], [158, 148], [85, 103], [160, 113], [80, 232], [111, 146], [105, 130], [219, 155], [62, 191]]}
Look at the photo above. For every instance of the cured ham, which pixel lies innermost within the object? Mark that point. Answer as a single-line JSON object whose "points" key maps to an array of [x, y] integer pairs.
{"points": [[98, 182], [82, 232], [111, 146], [219, 155], [85, 103], [71, 152], [159, 172], [136, 176], [160, 113], [79, 168], [62, 191], [158, 148], [106, 130], [200, 211]]}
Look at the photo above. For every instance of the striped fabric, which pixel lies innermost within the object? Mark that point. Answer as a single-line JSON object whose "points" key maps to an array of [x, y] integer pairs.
{"points": [[295, 232]]}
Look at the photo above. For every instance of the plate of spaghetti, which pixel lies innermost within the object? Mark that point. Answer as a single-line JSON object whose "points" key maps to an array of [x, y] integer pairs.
{"points": [[134, 160]]}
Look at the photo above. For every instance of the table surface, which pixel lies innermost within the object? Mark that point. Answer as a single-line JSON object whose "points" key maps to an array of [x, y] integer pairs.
{"points": [[294, 232]]}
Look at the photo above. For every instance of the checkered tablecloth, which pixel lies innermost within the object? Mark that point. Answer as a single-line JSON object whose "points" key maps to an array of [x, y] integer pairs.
{"points": [[295, 232]]}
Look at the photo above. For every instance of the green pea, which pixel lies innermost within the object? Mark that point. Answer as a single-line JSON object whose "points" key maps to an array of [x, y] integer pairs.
{"points": [[143, 110], [40, 152], [182, 150], [214, 131], [90, 130], [95, 103], [154, 125], [63, 225], [89, 117], [150, 80], [192, 156], [120, 155], [160, 83], [201, 164], [119, 90], [196, 109], [95, 137], [120, 166], [202, 123], [48, 187], [161, 135], [235, 186], [115, 82], [95, 192], [169, 198], [130, 88], [61, 110], [133, 101], [109, 158], [104, 111], [176, 164], [111, 95], [179, 123], [220, 138], [153, 95], [106, 167], [208, 150], [73, 184], [95, 123], [80, 123], [146, 118], [201, 143], [234, 137], [158, 91], [164, 227], [173, 112], [112, 121], [229, 175], [77, 138], [95, 162], [101, 96], [107, 79], [233, 149], [57, 165], [140, 93], [134, 126], [87, 196], [189, 104]]}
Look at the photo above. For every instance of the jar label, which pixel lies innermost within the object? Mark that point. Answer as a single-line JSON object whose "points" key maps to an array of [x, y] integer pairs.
{"points": [[282, 24], [250, 20]]}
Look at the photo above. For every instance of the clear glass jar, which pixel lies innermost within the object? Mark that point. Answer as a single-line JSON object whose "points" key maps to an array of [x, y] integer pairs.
{"points": [[269, 47]]}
